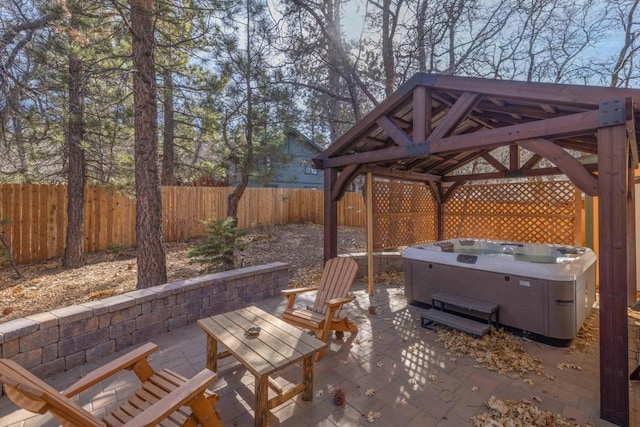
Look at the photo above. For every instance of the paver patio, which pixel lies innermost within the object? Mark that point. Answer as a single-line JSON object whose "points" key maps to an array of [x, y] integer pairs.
{"points": [[426, 388]]}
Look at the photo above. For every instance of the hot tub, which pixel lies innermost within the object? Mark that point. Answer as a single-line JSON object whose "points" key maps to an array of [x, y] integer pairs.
{"points": [[541, 289]]}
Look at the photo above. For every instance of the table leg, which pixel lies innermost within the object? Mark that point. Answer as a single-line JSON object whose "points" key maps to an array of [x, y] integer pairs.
{"points": [[212, 353], [262, 401], [307, 378]]}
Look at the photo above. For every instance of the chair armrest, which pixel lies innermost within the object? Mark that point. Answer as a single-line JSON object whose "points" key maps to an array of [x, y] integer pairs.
{"points": [[291, 294], [181, 396], [337, 302], [295, 291], [125, 361]]}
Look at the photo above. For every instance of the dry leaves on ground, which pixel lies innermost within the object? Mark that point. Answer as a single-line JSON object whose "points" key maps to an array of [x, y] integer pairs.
{"points": [[499, 351], [518, 413]]}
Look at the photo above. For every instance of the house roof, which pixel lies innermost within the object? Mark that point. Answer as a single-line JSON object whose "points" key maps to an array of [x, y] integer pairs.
{"points": [[433, 125], [298, 136]]}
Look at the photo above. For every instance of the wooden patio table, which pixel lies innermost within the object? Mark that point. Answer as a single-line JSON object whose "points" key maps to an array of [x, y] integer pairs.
{"points": [[277, 346]]}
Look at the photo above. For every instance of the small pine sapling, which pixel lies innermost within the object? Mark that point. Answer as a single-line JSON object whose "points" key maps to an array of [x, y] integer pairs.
{"points": [[218, 251]]}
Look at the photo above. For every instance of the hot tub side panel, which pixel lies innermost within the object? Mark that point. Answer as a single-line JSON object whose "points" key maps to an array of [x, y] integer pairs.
{"points": [[523, 302], [570, 303]]}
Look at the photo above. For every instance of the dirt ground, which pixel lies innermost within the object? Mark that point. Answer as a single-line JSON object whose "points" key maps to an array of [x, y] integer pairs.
{"points": [[47, 286]]}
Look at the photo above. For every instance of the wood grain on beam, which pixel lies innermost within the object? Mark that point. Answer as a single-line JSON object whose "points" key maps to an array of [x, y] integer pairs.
{"points": [[633, 146], [549, 93], [578, 123], [451, 189], [344, 179], [533, 160], [436, 191], [508, 174], [494, 162], [395, 132], [461, 109], [468, 158], [429, 111], [567, 163], [398, 174], [549, 108], [330, 216], [419, 114], [631, 239], [613, 160], [514, 157]]}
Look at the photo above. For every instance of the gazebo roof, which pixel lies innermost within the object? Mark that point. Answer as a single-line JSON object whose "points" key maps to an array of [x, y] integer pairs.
{"points": [[435, 124]]}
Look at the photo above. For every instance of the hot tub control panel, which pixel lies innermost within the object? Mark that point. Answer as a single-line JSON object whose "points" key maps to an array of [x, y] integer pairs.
{"points": [[467, 259]]}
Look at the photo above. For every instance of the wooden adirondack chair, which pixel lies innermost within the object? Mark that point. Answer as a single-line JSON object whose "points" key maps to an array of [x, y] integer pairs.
{"points": [[333, 292], [164, 398]]}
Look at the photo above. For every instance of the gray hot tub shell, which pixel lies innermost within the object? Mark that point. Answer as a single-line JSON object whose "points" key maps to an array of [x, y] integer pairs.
{"points": [[548, 299]]}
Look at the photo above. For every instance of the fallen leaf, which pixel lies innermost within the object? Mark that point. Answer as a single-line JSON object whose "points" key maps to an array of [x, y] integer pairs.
{"points": [[319, 394], [373, 416], [567, 365]]}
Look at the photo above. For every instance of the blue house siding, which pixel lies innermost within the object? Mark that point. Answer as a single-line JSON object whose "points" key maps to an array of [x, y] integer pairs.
{"points": [[298, 172]]}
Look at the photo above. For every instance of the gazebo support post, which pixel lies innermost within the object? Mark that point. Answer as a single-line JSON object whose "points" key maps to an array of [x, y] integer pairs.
{"points": [[613, 166], [438, 198], [631, 238], [330, 215], [369, 207]]}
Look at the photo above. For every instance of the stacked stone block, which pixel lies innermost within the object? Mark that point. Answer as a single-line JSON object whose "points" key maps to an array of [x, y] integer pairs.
{"points": [[51, 342]]}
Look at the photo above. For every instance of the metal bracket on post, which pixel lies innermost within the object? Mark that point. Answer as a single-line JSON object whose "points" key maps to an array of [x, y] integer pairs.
{"points": [[612, 112], [418, 149]]}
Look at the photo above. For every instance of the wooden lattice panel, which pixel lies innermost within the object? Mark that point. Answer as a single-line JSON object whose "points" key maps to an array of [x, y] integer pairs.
{"points": [[403, 213], [542, 212]]}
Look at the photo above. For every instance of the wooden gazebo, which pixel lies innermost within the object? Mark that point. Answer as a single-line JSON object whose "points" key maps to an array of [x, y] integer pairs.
{"points": [[433, 125]]}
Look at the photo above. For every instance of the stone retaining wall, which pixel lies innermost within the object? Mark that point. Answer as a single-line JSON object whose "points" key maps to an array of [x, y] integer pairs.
{"points": [[382, 261], [54, 341]]}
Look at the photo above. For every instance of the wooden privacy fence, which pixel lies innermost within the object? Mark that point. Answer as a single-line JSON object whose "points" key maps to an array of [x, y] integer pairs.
{"points": [[541, 212], [38, 214], [403, 214]]}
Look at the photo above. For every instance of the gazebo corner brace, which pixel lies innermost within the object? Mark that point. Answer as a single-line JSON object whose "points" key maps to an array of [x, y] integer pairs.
{"points": [[615, 112]]}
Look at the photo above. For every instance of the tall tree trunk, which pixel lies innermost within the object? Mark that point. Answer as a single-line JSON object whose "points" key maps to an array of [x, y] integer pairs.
{"points": [[168, 157], [388, 61], [234, 198], [18, 137], [333, 9], [74, 255], [421, 35], [152, 268]]}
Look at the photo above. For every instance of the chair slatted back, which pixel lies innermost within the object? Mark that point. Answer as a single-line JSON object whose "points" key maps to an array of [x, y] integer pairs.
{"points": [[337, 277], [31, 393]]}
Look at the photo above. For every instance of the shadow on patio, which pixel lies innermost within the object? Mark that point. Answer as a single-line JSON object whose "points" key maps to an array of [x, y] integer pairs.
{"points": [[394, 372]]}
